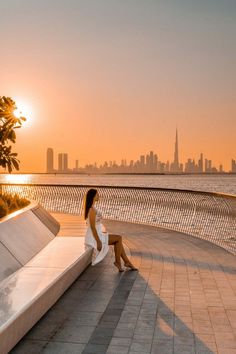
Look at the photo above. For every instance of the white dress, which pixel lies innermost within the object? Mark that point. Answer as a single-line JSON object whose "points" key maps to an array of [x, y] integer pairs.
{"points": [[90, 240]]}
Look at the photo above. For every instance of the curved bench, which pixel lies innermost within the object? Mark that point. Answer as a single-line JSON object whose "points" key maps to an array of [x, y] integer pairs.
{"points": [[36, 282], [22, 235]]}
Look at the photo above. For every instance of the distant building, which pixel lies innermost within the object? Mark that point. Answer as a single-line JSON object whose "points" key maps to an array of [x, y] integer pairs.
{"points": [[155, 162], [50, 168], [142, 162], [207, 165], [174, 167], [76, 168], [62, 163], [147, 163], [65, 157], [200, 164], [233, 166], [190, 166], [211, 169], [166, 168], [148, 166], [151, 160]]}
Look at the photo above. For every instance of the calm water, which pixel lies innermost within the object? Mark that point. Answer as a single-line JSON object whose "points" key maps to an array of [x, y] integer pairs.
{"points": [[209, 183]]}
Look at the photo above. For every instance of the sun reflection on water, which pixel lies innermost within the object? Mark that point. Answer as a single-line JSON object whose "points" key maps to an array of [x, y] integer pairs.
{"points": [[18, 179]]}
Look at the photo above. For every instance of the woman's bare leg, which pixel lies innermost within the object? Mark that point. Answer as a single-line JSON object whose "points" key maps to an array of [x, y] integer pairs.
{"points": [[119, 250], [116, 241], [123, 254]]}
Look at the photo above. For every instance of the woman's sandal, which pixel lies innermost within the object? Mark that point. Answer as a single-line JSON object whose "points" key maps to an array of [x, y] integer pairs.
{"points": [[130, 265], [118, 265]]}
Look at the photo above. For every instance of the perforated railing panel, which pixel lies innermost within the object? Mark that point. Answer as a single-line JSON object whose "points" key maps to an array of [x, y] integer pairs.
{"points": [[210, 216]]}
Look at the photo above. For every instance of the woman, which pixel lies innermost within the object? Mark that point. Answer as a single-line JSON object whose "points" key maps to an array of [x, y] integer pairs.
{"points": [[98, 238]]}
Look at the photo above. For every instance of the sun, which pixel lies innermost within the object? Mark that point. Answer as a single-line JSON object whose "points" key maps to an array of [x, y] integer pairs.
{"points": [[23, 110]]}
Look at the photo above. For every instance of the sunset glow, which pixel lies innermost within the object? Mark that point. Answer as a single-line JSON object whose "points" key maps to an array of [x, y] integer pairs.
{"points": [[17, 179], [110, 80], [24, 110]]}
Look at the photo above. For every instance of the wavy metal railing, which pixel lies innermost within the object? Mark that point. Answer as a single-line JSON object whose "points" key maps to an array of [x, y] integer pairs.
{"points": [[210, 216]]}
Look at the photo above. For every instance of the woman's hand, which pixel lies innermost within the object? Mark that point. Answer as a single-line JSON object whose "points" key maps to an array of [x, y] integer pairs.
{"points": [[103, 228], [99, 245]]}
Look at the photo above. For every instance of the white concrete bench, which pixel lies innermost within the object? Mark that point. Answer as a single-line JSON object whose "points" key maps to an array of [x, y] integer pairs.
{"points": [[34, 287], [22, 235]]}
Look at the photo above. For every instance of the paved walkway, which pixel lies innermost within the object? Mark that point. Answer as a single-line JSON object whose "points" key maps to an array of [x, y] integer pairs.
{"points": [[182, 300]]}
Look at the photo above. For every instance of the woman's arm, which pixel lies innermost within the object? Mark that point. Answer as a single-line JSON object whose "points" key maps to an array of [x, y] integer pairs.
{"points": [[92, 217]]}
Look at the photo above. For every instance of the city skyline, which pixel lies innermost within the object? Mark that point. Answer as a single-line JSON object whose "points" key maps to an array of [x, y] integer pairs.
{"points": [[147, 163]]}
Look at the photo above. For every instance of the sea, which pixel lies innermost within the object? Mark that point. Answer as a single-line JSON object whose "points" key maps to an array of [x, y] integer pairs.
{"points": [[222, 183]]}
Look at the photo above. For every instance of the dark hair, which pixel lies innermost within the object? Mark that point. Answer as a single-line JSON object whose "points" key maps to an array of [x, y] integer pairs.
{"points": [[88, 202]]}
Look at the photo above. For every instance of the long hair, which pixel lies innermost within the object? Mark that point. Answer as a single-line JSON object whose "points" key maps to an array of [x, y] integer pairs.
{"points": [[88, 201]]}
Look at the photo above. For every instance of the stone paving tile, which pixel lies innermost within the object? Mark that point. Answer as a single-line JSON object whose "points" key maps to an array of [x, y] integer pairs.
{"points": [[140, 346], [109, 325], [231, 314], [114, 349], [147, 330], [182, 300], [184, 349], [29, 346], [205, 338], [72, 333], [42, 332], [89, 318], [139, 352], [226, 351], [124, 333], [203, 327], [225, 340], [121, 341], [95, 349], [62, 348], [205, 348], [143, 337], [163, 347]]}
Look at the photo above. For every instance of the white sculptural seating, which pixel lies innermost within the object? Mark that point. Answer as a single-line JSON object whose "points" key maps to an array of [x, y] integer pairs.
{"points": [[35, 269]]}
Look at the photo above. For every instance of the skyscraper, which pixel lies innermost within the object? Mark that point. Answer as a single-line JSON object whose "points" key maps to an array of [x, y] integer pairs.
{"points": [[175, 164], [142, 162], [233, 166], [50, 160], [62, 163], [176, 155], [65, 158], [147, 163], [155, 163], [200, 164], [151, 161]]}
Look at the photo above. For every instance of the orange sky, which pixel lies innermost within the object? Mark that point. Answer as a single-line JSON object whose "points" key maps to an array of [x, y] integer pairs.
{"points": [[109, 79]]}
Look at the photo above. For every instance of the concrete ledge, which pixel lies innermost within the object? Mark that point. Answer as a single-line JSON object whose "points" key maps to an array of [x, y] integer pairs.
{"points": [[28, 293], [47, 219], [22, 235], [35, 269]]}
